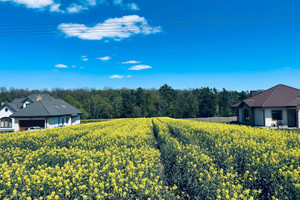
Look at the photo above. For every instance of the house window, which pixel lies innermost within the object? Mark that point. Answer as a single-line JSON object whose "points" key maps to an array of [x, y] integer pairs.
{"points": [[246, 115], [6, 109], [63, 120], [67, 119], [277, 114], [6, 122]]}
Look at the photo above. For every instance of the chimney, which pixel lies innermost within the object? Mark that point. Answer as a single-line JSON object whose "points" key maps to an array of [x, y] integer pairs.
{"points": [[39, 98], [253, 93]]}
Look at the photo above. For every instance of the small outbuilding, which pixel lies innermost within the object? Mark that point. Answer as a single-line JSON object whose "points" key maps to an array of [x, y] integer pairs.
{"points": [[278, 106], [37, 110]]}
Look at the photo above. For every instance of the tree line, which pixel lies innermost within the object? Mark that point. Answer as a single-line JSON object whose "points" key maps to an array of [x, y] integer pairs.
{"points": [[125, 103]]}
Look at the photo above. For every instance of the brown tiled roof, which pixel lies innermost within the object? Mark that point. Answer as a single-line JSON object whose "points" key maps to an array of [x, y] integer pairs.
{"points": [[277, 96]]}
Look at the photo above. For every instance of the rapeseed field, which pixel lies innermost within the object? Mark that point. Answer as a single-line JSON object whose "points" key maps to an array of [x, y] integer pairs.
{"points": [[150, 158]]}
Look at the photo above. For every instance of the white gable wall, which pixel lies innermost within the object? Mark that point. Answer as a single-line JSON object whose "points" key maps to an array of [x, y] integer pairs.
{"points": [[3, 113], [9, 112]]}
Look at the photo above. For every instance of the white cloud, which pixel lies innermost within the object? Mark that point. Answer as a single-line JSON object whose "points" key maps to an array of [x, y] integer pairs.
{"points": [[104, 58], [33, 3], [120, 76], [140, 67], [131, 62], [94, 2], [116, 76], [114, 28], [80, 5], [133, 6], [81, 67], [73, 66], [61, 66], [84, 58], [117, 2], [75, 8], [55, 8]]}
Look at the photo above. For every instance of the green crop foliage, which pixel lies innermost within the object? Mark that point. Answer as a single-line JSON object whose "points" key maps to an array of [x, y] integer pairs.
{"points": [[150, 158]]}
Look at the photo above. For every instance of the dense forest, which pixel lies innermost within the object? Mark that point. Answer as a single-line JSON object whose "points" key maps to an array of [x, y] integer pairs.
{"points": [[123, 103]]}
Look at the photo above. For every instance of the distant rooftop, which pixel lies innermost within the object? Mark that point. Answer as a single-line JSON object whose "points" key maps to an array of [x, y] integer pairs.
{"points": [[42, 105], [277, 96], [38, 97]]}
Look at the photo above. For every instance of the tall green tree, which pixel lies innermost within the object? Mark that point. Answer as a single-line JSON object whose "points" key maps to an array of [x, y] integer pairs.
{"points": [[167, 100], [207, 102], [127, 104]]}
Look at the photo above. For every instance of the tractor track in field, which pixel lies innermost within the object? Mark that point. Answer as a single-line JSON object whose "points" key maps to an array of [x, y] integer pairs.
{"points": [[155, 133]]}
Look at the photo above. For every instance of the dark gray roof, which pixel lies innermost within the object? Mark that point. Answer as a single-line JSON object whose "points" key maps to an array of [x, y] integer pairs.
{"points": [[18, 103], [277, 96], [33, 110], [13, 106], [46, 107], [17, 100], [60, 107], [33, 97]]}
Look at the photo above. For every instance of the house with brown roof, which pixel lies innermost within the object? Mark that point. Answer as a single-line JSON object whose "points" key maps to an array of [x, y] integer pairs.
{"points": [[278, 106]]}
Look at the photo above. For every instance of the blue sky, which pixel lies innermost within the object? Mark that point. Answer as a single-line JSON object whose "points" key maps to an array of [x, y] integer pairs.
{"points": [[238, 45]]}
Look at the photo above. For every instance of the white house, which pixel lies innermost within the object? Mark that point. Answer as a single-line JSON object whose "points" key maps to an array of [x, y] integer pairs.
{"points": [[37, 110], [278, 106]]}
